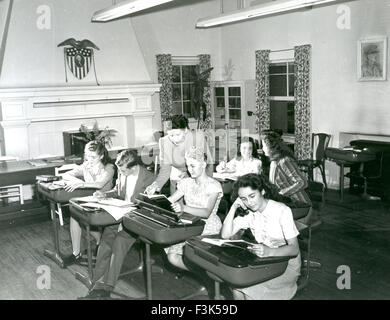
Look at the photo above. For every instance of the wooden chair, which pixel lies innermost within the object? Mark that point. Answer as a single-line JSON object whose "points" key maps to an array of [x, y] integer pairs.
{"points": [[308, 165], [306, 228]]}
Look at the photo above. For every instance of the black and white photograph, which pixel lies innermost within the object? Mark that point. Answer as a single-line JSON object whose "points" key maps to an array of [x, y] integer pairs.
{"points": [[372, 59], [191, 155]]}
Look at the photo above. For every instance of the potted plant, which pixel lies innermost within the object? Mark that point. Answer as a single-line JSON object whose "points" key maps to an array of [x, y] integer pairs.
{"points": [[103, 136]]}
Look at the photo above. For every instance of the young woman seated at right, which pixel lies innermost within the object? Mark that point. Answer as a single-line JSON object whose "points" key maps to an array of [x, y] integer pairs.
{"points": [[273, 227], [246, 161]]}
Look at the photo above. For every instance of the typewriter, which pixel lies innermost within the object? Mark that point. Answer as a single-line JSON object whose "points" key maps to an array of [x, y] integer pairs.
{"points": [[155, 220]]}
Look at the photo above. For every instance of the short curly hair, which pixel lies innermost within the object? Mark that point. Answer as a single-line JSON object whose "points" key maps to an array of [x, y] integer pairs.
{"points": [[196, 154], [128, 157]]}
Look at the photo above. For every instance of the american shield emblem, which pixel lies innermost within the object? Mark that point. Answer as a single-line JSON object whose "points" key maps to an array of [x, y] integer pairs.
{"points": [[79, 61], [79, 57]]}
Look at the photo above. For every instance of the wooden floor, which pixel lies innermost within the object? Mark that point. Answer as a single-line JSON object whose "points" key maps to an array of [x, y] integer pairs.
{"points": [[356, 235]]}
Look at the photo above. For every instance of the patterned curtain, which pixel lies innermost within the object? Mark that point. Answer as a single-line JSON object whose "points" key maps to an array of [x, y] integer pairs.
{"points": [[204, 64], [164, 69], [302, 102], [262, 90]]}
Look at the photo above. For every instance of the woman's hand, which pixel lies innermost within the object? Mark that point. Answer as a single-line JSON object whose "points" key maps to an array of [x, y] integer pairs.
{"points": [[177, 207], [99, 195], [152, 189], [71, 186], [222, 166], [239, 204], [260, 250]]}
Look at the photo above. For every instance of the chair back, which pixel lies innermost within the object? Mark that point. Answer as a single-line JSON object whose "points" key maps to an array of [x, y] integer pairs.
{"points": [[322, 141]]}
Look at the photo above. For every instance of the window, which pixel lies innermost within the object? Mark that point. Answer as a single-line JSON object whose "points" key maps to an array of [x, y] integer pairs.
{"points": [[183, 89], [281, 81]]}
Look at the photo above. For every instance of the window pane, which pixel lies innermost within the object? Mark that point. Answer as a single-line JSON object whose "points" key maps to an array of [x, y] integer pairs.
{"points": [[277, 68], [176, 92], [234, 114], [234, 124], [220, 102], [186, 92], [186, 71], [291, 67], [234, 91], [235, 103], [177, 109], [282, 116], [291, 85], [278, 85], [220, 92], [192, 70], [176, 74], [187, 108], [290, 117]]}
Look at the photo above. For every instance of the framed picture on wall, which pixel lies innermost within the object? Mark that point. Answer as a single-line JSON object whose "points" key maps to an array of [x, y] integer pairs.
{"points": [[372, 59]]}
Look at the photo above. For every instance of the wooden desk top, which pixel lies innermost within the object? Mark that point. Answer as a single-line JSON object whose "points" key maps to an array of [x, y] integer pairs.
{"points": [[22, 172]]}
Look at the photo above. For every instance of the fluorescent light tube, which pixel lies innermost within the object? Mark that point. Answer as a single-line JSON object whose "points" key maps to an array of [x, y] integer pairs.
{"points": [[124, 8], [257, 11]]}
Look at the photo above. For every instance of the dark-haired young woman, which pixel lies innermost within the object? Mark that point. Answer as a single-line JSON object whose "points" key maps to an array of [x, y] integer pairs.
{"points": [[96, 173], [173, 147], [284, 172], [246, 161], [273, 227]]}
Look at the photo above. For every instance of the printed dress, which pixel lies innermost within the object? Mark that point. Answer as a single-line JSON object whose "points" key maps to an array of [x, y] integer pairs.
{"points": [[197, 196]]}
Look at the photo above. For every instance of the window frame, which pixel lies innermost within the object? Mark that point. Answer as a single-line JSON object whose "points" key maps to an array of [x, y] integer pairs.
{"points": [[183, 61], [288, 137]]}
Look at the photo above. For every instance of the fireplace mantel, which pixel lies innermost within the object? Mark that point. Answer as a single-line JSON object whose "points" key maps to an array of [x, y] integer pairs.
{"points": [[33, 119]]}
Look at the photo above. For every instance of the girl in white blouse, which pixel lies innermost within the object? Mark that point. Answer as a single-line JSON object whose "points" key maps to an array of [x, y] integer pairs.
{"points": [[245, 162], [95, 172], [273, 227]]}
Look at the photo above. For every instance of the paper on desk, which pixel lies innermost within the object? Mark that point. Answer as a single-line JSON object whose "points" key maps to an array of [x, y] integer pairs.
{"points": [[88, 199], [116, 212], [220, 242], [109, 201], [116, 202], [225, 176]]}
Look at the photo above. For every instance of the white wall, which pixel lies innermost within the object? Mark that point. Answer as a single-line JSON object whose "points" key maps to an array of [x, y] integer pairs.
{"points": [[339, 102], [172, 30], [32, 57]]}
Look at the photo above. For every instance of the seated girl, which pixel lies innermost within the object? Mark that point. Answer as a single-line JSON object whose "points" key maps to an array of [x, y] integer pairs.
{"points": [[284, 172], [272, 225], [247, 160], [96, 172], [202, 195], [133, 179]]}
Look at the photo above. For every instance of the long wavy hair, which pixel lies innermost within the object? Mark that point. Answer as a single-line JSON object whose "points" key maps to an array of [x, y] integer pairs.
{"points": [[277, 148]]}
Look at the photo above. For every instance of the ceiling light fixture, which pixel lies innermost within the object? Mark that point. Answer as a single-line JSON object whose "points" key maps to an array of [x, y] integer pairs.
{"points": [[124, 8], [258, 11]]}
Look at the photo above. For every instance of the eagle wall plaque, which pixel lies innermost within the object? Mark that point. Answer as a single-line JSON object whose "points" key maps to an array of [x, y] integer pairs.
{"points": [[79, 56]]}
